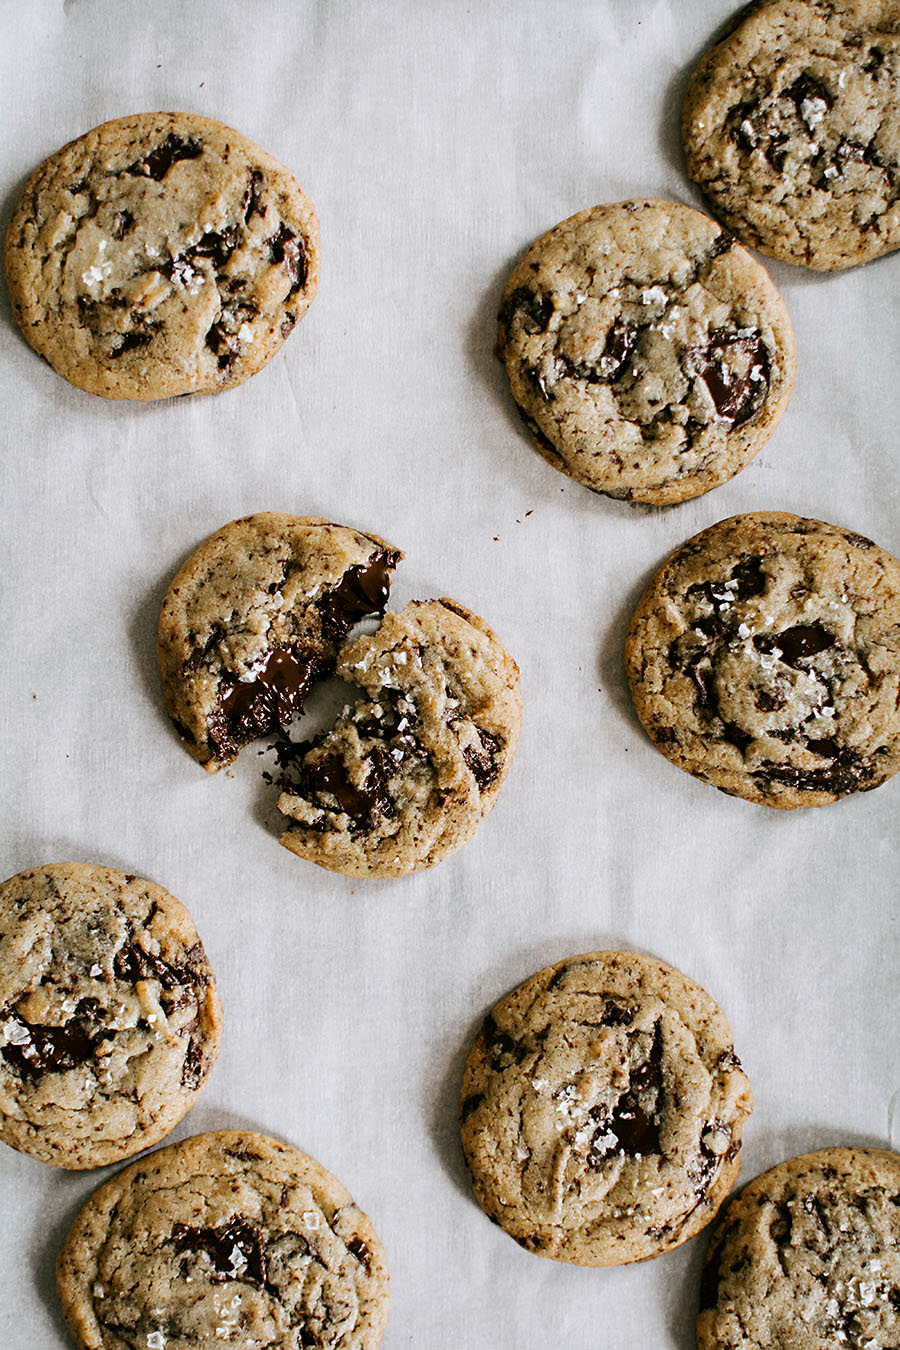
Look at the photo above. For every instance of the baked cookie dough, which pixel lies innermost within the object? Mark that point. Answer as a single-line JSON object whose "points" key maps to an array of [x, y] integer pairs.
{"points": [[109, 1017], [764, 658], [160, 254], [408, 773], [255, 615], [227, 1238], [808, 1256], [650, 355], [601, 1110], [791, 127]]}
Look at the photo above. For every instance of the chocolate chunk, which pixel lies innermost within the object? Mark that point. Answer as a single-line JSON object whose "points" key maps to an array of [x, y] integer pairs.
{"points": [[158, 163], [217, 245], [192, 1068], [500, 1049], [470, 1105], [36, 1050], [132, 963], [533, 311], [750, 578], [250, 204], [847, 773], [361, 1252], [811, 99], [364, 804], [362, 590], [235, 1249], [485, 764], [802, 642], [620, 342], [618, 1014], [126, 342], [225, 344], [629, 1128], [251, 708], [735, 368], [287, 249]]}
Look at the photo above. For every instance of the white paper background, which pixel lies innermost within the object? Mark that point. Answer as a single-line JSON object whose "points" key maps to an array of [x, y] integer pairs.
{"points": [[438, 139]]}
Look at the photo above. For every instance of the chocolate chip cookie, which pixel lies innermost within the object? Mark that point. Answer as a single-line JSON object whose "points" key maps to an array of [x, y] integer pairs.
{"points": [[650, 355], [160, 254], [109, 1018], [601, 1110], [764, 658], [791, 127], [255, 615], [408, 773], [228, 1237], [808, 1256]]}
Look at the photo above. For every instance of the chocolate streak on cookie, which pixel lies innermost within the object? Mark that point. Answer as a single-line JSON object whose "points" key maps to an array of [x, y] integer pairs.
{"points": [[362, 590], [251, 708]]}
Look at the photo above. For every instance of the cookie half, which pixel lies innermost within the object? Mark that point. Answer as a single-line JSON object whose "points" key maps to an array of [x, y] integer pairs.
{"points": [[109, 1018], [160, 254], [808, 1256], [255, 615], [650, 355], [228, 1237], [764, 658], [791, 127], [601, 1110], [408, 773]]}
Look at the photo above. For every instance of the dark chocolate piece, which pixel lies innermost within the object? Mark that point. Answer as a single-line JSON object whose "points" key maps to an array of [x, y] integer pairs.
{"points": [[235, 1249], [158, 163], [36, 1050], [361, 591]]}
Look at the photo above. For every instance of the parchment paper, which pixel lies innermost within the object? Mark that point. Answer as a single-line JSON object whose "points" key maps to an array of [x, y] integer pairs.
{"points": [[437, 138]]}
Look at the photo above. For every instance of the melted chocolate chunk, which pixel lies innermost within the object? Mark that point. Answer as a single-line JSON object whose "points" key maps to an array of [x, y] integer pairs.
{"points": [[127, 342], [499, 1048], [225, 344], [735, 370], [365, 804], [847, 773], [217, 245], [251, 708], [287, 249], [802, 642], [628, 1127], [811, 99], [362, 590], [158, 163], [132, 963], [485, 763], [235, 1249], [620, 341], [533, 311], [361, 1252], [470, 1105], [617, 1014], [36, 1050], [250, 205], [192, 1068]]}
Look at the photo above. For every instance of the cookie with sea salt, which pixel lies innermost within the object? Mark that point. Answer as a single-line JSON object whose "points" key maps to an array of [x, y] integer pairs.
{"points": [[407, 774], [227, 1238], [791, 127], [650, 355], [764, 658], [601, 1110], [254, 616], [109, 1017], [808, 1256], [160, 254]]}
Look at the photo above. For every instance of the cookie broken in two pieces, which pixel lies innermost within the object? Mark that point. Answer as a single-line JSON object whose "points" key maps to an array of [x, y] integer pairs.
{"points": [[263, 610]]}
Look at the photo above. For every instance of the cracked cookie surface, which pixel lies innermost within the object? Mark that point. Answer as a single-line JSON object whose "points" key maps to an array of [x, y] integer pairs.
{"points": [[160, 254], [601, 1110], [407, 774], [231, 1238], [109, 1017], [764, 658], [255, 615], [791, 127], [650, 355], [808, 1256]]}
